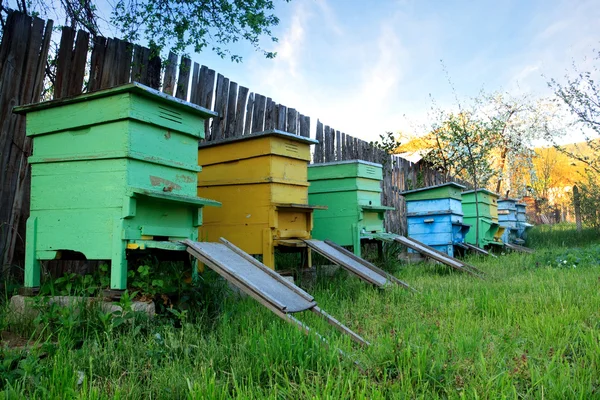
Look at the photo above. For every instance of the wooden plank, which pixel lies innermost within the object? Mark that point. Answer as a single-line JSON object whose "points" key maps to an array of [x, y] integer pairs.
{"points": [[108, 67], [318, 152], [242, 99], [269, 121], [136, 64], [343, 152], [194, 85], [292, 121], [437, 255], [170, 71], [305, 125], [231, 110], [258, 114], [31, 61], [281, 117], [17, 79], [338, 146], [339, 326], [220, 107], [183, 81], [153, 71], [42, 60], [249, 108], [63, 62], [124, 55], [144, 59], [97, 63], [78, 63]]}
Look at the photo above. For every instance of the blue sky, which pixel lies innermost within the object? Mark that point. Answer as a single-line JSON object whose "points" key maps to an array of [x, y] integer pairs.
{"points": [[366, 67]]}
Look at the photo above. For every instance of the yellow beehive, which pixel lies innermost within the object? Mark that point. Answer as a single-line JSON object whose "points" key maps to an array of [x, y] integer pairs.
{"points": [[261, 180]]}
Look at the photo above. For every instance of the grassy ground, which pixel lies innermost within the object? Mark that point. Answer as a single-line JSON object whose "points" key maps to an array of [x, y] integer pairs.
{"points": [[530, 330]]}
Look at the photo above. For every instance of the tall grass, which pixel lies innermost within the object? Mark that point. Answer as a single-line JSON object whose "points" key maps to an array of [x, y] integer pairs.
{"points": [[530, 330]]}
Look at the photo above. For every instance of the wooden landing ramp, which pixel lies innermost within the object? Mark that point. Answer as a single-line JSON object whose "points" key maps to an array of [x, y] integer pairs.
{"points": [[479, 250], [517, 247], [437, 255], [356, 265], [262, 284]]}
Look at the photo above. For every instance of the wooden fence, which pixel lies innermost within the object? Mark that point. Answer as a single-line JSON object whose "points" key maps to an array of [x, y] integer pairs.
{"points": [[88, 64]]}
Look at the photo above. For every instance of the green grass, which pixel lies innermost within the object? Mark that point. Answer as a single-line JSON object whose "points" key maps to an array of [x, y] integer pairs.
{"points": [[530, 330]]}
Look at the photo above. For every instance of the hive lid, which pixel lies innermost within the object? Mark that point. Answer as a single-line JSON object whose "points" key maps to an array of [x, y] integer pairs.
{"points": [[454, 184], [482, 191], [134, 87], [271, 132], [509, 199], [346, 162]]}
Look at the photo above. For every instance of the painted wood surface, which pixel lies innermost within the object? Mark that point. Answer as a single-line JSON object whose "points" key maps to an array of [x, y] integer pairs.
{"points": [[507, 218], [351, 191], [261, 180], [488, 217], [113, 180], [435, 216], [450, 190]]}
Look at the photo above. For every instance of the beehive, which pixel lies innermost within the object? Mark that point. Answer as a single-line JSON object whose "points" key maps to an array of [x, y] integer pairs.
{"points": [[351, 190], [487, 202], [507, 217], [112, 170], [435, 216], [522, 225], [261, 179]]}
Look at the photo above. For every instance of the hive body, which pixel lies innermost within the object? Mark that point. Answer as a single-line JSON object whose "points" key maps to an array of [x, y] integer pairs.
{"points": [[435, 216], [507, 217], [522, 225], [261, 180], [351, 190], [487, 202], [112, 170]]}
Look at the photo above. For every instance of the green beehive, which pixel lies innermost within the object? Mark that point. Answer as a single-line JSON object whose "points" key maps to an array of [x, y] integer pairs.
{"points": [[351, 190], [487, 202], [112, 171]]}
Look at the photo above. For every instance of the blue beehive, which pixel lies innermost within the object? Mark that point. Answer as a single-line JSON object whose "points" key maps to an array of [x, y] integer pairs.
{"points": [[435, 216], [522, 225], [507, 218]]}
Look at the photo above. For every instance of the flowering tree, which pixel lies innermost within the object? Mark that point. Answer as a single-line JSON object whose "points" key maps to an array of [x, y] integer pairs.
{"points": [[464, 144]]}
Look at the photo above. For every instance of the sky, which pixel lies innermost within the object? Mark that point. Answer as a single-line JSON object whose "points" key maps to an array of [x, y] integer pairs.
{"points": [[367, 67]]}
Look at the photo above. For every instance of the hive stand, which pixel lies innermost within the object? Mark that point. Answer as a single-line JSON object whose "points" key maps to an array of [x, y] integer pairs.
{"points": [[351, 190], [488, 217], [435, 216], [261, 179], [112, 171]]}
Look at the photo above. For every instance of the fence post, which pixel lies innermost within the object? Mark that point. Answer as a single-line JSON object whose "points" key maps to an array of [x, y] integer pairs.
{"points": [[577, 206]]}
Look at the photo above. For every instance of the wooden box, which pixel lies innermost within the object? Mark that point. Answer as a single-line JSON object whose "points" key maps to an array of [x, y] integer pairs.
{"points": [[488, 217], [507, 218], [261, 180], [435, 217], [351, 190], [112, 170]]}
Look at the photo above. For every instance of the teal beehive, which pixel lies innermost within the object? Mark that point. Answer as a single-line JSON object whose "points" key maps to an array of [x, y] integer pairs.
{"points": [[112, 171], [351, 190]]}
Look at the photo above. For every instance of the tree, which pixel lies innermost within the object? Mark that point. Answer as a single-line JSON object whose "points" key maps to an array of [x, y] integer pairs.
{"points": [[518, 121], [580, 97], [464, 145], [177, 24]]}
